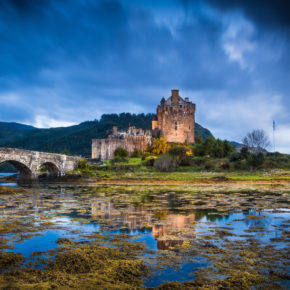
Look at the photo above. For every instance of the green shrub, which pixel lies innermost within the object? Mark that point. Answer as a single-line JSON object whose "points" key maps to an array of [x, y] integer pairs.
{"points": [[121, 152], [186, 161], [241, 165], [149, 162], [225, 166], [277, 160], [137, 154], [179, 154], [118, 159], [245, 153], [209, 166], [256, 160], [165, 163], [83, 163], [198, 161], [177, 151], [214, 148], [236, 156]]}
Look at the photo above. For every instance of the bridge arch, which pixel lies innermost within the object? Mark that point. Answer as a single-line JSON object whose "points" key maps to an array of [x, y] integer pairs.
{"points": [[23, 169], [28, 162], [51, 168]]}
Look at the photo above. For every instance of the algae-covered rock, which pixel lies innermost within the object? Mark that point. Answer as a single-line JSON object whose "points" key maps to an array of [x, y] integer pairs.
{"points": [[9, 261]]}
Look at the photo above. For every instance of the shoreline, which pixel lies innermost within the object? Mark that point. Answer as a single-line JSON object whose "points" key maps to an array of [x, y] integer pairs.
{"points": [[216, 180], [149, 182]]}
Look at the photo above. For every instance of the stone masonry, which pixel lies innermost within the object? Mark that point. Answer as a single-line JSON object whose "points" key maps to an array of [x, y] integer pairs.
{"points": [[28, 162], [175, 119], [131, 140]]}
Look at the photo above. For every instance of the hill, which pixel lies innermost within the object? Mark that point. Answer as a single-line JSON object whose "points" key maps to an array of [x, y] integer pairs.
{"points": [[77, 139], [10, 131]]}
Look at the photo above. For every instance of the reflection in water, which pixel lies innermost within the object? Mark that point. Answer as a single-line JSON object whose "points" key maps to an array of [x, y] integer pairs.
{"points": [[166, 232], [162, 224], [160, 221]]}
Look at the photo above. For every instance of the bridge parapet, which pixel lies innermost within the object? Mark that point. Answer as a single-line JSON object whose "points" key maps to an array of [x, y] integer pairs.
{"points": [[28, 162]]}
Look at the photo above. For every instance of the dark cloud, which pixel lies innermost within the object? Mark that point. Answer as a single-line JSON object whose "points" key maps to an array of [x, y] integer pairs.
{"points": [[269, 13], [72, 60]]}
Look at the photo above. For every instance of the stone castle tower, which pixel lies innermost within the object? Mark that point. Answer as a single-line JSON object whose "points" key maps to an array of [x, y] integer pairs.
{"points": [[175, 119]]}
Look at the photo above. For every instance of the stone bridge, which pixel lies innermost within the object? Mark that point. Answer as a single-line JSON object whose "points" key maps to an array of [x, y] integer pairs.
{"points": [[29, 162]]}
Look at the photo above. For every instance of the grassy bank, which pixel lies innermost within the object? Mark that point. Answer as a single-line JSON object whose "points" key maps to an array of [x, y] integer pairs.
{"points": [[136, 169]]}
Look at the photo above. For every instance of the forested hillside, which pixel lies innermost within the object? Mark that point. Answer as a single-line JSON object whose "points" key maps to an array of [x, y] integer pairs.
{"points": [[77, 139], [10, 131]]}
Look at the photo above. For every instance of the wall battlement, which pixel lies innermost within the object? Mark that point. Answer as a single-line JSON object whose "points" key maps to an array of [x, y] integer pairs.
{"points": [[131, 140], [175, 119]]}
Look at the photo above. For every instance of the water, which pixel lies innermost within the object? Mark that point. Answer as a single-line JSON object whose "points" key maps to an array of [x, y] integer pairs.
{"points": [[9, 184], [164, 222]]}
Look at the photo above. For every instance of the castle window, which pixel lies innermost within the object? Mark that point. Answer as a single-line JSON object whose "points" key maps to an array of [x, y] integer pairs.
{"points": [[189, 127], [176, 126]]}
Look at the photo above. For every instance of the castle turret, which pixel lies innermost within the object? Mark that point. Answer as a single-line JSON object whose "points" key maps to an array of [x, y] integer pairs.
{"points": [[175, 119]]}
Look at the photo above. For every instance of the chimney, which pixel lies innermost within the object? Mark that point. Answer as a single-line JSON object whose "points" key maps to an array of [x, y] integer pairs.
{"points": [[174, 97], [175, 93], [187, 100]]}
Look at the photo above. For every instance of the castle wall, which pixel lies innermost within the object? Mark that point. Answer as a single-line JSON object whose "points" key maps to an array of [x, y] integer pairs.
{"points": [[104, 148], [176, 119]]}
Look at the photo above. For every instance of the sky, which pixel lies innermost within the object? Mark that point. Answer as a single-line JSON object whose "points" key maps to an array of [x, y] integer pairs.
{"points": [[63, 62]]}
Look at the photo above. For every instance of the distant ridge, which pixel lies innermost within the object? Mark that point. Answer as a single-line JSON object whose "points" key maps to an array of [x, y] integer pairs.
{"points": [[75, 139], [12, 130]]}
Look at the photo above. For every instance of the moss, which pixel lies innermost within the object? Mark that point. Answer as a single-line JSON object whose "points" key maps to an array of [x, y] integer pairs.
{"points": [[85, 267], [176, 286], [10, 260], [64, 241], [242, 280], [224, 233], [255, 217], [200, 202]]}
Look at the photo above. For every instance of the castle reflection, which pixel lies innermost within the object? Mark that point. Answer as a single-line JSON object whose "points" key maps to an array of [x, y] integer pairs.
{"points": [[165, 227]]}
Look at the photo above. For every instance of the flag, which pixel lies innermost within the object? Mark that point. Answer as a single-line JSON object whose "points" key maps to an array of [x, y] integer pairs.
{"points": [[274, 125]]}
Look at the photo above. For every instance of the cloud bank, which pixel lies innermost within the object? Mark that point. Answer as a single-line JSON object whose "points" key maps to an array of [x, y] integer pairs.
{"points": [[67, 61]]}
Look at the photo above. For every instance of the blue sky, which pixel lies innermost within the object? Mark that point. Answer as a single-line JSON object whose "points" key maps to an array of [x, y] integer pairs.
{"points": [[66, 61]]}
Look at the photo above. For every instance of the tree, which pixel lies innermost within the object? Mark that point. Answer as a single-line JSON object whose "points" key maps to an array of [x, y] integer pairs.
{"points": [[121, 152], [228, 148], [217, 149], [198, 140], [208, 145], [256, 160], [245, 153], [159, 146], [257, 139]]}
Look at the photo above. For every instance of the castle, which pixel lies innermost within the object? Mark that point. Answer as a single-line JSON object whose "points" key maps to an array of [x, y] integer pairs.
{"points": [[175, 121], [132, 139]]}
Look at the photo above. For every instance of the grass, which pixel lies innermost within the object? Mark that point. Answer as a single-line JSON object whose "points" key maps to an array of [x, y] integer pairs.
{"points": [[188, 174], [135, 169]]}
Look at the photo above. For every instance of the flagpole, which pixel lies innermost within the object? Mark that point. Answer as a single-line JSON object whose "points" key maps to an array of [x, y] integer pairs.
{"points": [[274, 128]]}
